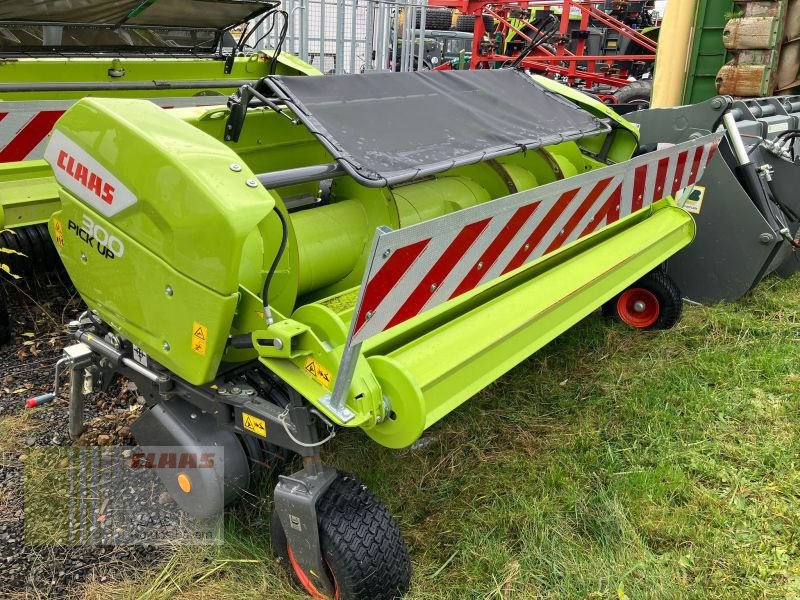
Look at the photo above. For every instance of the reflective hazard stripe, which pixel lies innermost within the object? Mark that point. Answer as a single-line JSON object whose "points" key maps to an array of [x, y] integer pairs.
{"points": [[417, 268], [22, 134], [24, 126]]}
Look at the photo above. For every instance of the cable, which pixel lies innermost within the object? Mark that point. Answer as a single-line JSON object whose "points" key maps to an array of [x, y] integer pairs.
{"points": [[279, 47], [754, 146], [243, 38], [544, 30], [787, 132], [331, 429], [271, 273], [770, 199], [266, 35]]}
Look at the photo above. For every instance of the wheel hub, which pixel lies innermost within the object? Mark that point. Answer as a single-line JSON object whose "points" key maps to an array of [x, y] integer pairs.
{"points": [[638, 307]]}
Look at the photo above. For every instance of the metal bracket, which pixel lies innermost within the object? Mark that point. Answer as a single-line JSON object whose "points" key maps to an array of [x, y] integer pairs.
{"points": [[335, 401], [296, 506], [676, 125], [77, 356]]}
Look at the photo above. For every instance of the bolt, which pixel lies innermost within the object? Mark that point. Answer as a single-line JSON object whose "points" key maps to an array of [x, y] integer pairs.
{"points": [[527, 247], [369, 315], [480, 265], [717, 103], [168, 291], [165, 346], [766, 238], [639, 306], [252, 183], [83, 257], [235, 168], [277, 344], [193, 416], [236, 390], [433, 287], [387, 252], [249, 392]]}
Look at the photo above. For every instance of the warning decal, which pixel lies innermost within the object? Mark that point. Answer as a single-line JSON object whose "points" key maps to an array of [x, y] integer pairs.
{"points": [[59, 231], [254, 424], [199, 338], [318, 372], [693, 203]]}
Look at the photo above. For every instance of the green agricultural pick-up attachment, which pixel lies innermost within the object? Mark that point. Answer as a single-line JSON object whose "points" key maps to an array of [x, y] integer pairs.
{"points": [[363, 251]]}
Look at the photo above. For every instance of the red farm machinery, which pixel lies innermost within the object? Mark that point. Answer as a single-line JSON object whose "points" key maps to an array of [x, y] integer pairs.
{"points": [[602, 47]]}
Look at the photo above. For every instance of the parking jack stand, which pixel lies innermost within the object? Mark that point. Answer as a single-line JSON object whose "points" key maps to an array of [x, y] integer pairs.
{"points": [[76, 402]]}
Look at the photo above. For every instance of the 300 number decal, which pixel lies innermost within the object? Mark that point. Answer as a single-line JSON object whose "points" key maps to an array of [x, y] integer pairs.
{"points": [[96, 236]]}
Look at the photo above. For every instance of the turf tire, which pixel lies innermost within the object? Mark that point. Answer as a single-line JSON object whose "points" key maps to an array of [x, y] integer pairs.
{"points": [[361, 543]]}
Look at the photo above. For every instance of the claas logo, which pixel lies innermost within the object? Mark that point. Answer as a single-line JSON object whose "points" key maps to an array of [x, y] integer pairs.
{"points": [[86, 177], [172, 460]]}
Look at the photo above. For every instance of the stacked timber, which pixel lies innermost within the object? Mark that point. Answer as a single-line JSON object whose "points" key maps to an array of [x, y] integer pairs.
{"points": [[764, 41]]}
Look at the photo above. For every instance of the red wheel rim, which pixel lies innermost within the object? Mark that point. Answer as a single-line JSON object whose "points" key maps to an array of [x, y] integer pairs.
{"points": [[305, 580], [638, 307]]}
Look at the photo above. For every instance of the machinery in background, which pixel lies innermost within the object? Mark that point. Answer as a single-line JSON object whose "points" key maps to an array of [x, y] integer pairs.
{"points": [[582, 43], [441, 46], [746, 206]]}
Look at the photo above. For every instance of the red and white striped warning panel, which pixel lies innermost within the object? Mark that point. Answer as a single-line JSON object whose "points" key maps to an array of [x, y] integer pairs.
{"points": [[24, 126], [414, 269]]}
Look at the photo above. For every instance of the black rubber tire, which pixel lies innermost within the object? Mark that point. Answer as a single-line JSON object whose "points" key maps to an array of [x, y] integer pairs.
{"points": [[554, 50], [637, 92], [361, 543], [466, 23], [437, 19], [664, 289], [35, 243]]}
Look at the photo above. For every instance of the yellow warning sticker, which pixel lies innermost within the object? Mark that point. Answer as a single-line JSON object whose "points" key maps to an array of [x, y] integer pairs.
{"points": [[59, 231], [318, 372], [254, 424], [199, 338]]}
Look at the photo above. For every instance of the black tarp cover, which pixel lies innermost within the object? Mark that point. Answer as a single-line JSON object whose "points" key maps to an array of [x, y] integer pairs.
{"points": [[212, 14], [397, 126]]}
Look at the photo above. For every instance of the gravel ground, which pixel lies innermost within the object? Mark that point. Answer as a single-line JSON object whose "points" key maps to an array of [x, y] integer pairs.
{"points": [[26, 369]]}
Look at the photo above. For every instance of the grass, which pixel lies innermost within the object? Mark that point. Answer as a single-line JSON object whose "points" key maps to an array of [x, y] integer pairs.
{"points": [[613, 464], [13, 430]]}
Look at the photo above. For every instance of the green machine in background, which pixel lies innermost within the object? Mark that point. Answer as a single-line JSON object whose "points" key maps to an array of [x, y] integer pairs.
{"points": [[361, 251], [173, 52]]}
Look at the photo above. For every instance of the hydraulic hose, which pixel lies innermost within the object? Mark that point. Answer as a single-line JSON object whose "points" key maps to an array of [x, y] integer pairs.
{"points": [[272, 269], [746, 171]]}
